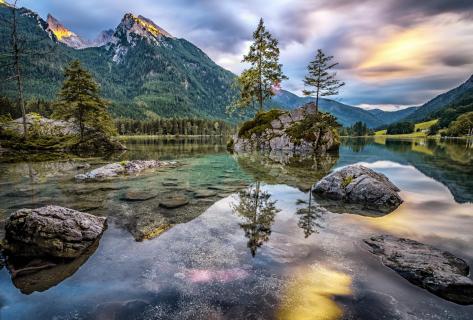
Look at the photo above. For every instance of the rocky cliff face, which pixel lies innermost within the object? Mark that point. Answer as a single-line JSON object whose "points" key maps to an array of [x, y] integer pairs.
{"points": [[301, 130]]}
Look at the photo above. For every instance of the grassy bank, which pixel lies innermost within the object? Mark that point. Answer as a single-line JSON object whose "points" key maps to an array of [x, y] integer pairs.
{"points": [[420, 131]]}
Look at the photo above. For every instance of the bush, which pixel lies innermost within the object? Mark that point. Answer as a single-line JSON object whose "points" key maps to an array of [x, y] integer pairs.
{"points": [[259, 124], [306, 128]]}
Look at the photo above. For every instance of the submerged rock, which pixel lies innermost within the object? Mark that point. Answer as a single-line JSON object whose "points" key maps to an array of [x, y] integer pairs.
{"points": [[361, 186], [438, 271], [173, 201], [122, 168], [199, 194], [137, 195], [303, 130], [51, 231]]}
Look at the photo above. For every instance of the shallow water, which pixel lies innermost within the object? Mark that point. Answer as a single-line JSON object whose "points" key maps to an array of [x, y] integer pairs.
{"points": [[220, 257]]}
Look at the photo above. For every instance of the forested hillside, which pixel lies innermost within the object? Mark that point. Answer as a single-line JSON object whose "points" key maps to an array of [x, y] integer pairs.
{"points": [[441, 102], [143, 75]]}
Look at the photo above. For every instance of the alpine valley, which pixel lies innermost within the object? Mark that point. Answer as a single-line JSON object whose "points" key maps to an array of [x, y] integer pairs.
{"points": [[146, 72]]}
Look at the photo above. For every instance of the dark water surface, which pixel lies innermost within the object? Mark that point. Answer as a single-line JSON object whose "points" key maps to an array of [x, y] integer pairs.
{"points": [[227, 256]]}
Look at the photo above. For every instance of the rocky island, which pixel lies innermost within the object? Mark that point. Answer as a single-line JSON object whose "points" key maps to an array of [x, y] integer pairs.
{"points": [[303, 130]]}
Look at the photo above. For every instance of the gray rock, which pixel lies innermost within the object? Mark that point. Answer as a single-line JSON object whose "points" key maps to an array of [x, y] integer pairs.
{"points": [[362, 186], [51, 231], [438, 271], [275, 138], [43, 126], [121, 168]]}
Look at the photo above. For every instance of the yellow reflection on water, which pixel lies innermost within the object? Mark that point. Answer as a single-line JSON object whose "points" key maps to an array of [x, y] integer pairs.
{"points": [[310, 295]]}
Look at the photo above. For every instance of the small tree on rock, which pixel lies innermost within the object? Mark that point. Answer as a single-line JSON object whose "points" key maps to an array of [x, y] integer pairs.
{"points": [[257, 83], [79, 101], [320, 78]]}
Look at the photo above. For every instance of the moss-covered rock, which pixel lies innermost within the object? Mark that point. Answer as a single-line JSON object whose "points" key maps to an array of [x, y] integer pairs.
{"points": [[259, 124], [302, 130], [53, 135]]}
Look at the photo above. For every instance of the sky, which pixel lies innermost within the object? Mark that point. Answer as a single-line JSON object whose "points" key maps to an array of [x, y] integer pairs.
{"points": [[392, 53]]}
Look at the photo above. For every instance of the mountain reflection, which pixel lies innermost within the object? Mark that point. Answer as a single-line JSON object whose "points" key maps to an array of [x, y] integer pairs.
{"points": [[448, 161], [257, 211]]}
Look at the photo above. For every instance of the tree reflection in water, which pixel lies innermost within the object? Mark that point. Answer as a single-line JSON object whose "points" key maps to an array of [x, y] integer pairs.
{"points": [[309, 217], [258, 211]]}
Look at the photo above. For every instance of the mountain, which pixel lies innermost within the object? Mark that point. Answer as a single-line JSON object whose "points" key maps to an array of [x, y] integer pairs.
{"points": [[427, 110], [141, 68], [388, 117], [72, 40], [347, 115]]}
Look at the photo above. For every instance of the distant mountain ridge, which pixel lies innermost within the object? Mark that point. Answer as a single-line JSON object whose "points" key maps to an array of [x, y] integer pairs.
{"points": [[388, 117], [346, 115], [428, 109]]}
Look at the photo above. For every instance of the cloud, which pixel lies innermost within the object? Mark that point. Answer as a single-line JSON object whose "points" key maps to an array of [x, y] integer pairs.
{"points": [[457, 59], [392, 52]]}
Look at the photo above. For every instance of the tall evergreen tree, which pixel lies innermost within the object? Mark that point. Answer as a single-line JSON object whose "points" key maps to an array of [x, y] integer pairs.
{"points": [[79, 100], [320, 78], [257, 83]]}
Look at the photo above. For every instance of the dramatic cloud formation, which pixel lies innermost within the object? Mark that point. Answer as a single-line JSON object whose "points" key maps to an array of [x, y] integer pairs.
{"points": [[392, 53]]}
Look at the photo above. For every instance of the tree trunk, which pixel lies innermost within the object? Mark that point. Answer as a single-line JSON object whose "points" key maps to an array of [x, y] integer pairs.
{"points": [[16, 63], [260, 83], [317, 93], [81, 123]]}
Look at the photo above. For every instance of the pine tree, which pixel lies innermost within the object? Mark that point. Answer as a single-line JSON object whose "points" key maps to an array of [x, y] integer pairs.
{"points": [[320, 78], [257, 83], [79, 100]]}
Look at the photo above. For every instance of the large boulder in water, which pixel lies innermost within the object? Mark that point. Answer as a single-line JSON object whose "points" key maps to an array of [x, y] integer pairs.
{"points": [[122, 168], [438, 271], [51, 231], [360, 186]]}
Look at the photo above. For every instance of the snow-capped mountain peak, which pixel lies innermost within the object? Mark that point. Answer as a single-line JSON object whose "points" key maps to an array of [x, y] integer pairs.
{"points": [[65, 35], [140, 26]]}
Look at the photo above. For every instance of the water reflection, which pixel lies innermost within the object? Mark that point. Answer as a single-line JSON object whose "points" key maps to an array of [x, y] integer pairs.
{"points": [[310, 295], [257, 211], [300, 171], [447, 160], [310, 216], [357, 144], [37, 274], [200, 268]]}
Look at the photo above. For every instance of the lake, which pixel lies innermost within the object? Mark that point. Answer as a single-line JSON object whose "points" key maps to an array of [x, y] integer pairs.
{"points": [[223, 256]]}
